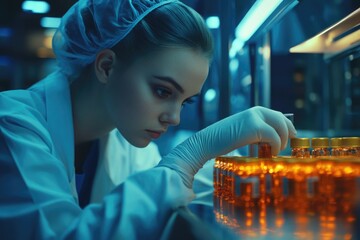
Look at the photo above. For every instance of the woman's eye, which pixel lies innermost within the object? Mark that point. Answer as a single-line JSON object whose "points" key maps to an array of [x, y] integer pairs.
{"points": [[188, 101], [162, 92]]}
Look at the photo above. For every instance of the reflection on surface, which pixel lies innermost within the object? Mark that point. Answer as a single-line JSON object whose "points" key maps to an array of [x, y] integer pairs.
{"points": [[287, 198]]}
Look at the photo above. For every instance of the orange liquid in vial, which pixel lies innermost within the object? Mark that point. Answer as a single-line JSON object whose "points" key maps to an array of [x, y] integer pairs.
{"points": [[229, 181], [224, 177], [246, 181], [336, 147], [320, 147], [300, 147], [351, 146], [264, 150], [220, 178], [216, 177], [302, 183], [278, 171]]}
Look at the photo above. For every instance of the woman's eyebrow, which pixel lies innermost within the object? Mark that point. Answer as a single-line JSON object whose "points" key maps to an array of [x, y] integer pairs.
{"points": [[172, 82]]}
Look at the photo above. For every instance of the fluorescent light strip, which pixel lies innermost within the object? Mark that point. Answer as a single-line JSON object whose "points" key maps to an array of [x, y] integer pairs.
{"points": [[255, 17], [236, 45], [35, 6]]}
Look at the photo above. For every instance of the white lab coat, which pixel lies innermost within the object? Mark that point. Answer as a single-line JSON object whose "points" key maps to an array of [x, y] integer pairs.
{"points": [[38, 199], [118, 159]]}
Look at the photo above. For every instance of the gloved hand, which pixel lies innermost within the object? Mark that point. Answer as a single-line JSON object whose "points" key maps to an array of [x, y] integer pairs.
{"points": [[257, 124]]}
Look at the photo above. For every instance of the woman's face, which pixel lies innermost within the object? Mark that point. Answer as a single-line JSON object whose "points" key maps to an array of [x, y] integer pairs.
{"points": [[144, 99]]}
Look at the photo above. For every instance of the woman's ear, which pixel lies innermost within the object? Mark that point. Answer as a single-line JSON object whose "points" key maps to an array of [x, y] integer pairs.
{"points": [[104, 64]]}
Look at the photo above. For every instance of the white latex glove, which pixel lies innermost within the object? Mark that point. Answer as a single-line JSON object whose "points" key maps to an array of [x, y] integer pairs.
{"points": [[257, 124]]}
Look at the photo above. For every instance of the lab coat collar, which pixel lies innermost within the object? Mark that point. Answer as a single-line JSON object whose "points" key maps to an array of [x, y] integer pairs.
{"points": [[60, 120]]}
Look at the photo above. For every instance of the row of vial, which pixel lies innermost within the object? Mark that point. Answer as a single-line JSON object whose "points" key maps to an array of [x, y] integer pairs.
{"points": [[306, 147], [253, 195], [318, 183], [227, 170], [332, 155], [244, 179]]}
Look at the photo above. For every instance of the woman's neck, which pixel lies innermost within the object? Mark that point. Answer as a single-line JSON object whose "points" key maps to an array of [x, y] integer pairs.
{"points": [[89, 115]]}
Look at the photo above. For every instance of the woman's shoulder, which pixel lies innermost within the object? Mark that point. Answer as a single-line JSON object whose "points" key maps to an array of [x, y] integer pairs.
{"points": [[14, 103], [33, 100], [23, 114]]}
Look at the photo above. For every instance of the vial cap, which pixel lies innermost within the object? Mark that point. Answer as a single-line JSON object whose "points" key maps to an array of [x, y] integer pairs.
{"points": [[351, 141], [300, 142], [335, 142], [320, 142]]}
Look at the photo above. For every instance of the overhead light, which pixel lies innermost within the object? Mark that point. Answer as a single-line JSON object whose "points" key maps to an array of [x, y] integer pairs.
{"points": [[50, 22], [35, 6], [255, 17], [213, 22], [261, 15], [236, 45]]}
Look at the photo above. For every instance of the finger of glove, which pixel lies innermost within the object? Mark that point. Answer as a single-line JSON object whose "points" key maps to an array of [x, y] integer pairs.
{"points": [[291, 127], [286, 130], [281, 125], [269, 135]]}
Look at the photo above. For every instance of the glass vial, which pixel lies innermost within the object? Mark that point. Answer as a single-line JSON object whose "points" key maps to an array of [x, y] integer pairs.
{"points": [[320, 147], [216, 173], [264, 150], [300, 147], [351, 146], [336, 147]]}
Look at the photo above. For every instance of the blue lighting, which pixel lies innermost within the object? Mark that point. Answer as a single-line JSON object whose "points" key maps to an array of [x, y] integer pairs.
{"points": [[236, 45], [210, 95], [4, 61], [35, 6], [50, 22], [213, 22], [234, 65], [5, 32]]}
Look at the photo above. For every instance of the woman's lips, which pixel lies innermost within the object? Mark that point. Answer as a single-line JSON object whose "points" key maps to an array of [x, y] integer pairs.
{"points": [[154, 134]]}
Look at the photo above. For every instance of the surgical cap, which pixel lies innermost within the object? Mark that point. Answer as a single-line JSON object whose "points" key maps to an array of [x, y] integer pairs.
{"points": [[92, 25]]}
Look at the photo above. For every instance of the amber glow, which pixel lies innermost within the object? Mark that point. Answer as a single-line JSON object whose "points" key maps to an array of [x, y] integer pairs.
{"points": [[258, 197]]}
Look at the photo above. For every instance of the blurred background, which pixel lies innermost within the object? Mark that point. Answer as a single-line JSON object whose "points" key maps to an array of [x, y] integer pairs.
{"points": [[253, 64]]}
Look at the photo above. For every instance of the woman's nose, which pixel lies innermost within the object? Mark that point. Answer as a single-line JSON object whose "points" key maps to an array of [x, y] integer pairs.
{"points": [[171, 116]]}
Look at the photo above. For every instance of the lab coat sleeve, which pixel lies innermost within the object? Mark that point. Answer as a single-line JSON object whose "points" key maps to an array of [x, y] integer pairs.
{"points": [[203, 179], [203, 185], [136, 209], [36, 200]]}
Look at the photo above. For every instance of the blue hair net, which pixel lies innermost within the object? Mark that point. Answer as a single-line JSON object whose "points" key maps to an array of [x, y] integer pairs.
{"points": [[92, 25]]}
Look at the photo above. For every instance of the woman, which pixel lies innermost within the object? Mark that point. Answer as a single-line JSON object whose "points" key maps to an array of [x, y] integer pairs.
{"points": [[123, 65]]}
